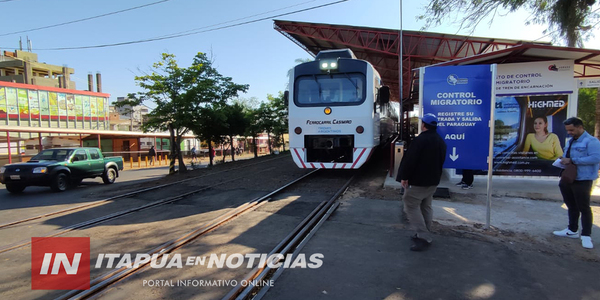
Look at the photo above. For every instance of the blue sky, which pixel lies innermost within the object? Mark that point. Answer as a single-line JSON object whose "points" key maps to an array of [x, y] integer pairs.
{"points": [[253, 54]]}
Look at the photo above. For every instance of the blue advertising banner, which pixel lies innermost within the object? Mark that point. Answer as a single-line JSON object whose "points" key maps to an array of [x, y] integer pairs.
{"points": [[461, 97]]}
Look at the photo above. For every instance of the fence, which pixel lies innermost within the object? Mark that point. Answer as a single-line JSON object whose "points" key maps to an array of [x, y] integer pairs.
{"points": [[139, 159]]}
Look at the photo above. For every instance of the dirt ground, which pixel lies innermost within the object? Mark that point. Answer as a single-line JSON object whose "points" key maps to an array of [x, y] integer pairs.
{"points": [[371, 186]]}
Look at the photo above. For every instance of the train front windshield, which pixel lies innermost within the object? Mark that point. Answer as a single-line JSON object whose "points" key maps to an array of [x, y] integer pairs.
{"points": [[330, 89]]}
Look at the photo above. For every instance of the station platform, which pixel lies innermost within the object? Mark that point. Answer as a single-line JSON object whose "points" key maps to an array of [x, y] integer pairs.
{"points": [[538, 188], [531, 206]]}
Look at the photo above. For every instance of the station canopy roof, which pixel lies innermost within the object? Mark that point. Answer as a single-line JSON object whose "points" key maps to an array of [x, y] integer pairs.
{"points": [[381, 47]]}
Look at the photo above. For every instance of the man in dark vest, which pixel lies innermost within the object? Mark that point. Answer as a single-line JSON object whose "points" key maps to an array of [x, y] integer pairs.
{"points": [[420, 172], [151, 155]]}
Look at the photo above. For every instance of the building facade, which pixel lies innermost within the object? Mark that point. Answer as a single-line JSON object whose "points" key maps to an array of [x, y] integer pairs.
{"points": [[39, 106], [23, 67]]}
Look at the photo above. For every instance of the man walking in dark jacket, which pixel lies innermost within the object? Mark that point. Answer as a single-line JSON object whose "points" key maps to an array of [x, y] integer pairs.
{"points": [[152, 155], [420, 172]]}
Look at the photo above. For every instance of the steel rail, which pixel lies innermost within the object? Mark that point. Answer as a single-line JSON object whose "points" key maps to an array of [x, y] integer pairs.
{"points": [[119, 214], [99, 284], [291, 240], [102, 201], [263, 291]]}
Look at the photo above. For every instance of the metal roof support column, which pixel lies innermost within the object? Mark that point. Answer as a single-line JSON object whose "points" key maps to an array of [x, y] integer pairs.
{"points": [[40, 141], [99, 145], [406, 127], [8, 143], [400, 75], [80, 141]]}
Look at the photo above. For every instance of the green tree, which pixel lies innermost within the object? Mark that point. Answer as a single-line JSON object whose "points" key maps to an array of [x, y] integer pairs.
{"points": [[247, 103], [280, 117], [179, 95], [597, 119], [254, 128], [210, 125], [250, 106], [128, 109], [236, 123], [586, 109], [266, 121], [567, 20]]}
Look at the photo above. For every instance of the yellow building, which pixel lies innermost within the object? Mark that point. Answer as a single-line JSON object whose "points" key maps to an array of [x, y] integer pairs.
{"points": [[23, 67]]}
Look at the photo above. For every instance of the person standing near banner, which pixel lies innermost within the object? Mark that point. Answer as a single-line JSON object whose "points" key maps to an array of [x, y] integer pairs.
{"points": [[420, 173], [468, 176], [583, 150]]}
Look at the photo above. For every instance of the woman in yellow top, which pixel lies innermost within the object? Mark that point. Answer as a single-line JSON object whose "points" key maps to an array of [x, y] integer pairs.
{"points": [[545, 145]]}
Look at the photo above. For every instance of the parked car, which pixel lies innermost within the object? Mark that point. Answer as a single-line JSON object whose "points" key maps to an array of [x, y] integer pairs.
{"points": [[60, 167]]}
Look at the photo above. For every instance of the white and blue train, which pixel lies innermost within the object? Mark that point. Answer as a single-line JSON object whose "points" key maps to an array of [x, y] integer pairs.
{"points": [[338, 111]]}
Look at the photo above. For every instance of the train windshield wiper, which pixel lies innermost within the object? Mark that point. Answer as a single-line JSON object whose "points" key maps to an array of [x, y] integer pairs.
{"points": [[319, 85], [353, 83]]}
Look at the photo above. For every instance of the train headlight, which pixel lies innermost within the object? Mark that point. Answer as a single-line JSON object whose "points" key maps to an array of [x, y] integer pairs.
{"points": [[327, 110], [328, 64], [298, 130], [360, 129]]}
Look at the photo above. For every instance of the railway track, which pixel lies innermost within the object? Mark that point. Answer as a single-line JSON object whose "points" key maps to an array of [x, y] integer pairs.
{"points": [[128, 194], [208, 212], [119, 214], [99, 284], [291, 244]]}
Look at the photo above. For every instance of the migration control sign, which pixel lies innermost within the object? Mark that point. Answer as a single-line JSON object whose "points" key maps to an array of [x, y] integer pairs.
{"points": [[461, 97]]}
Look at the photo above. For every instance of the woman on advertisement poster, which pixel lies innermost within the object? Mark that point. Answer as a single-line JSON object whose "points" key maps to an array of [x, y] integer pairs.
{"points": [[544, 144], [528, 136]]}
